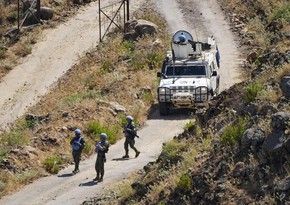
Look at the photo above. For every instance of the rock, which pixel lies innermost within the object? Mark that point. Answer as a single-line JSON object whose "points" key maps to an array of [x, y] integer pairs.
{"points": [[139, 28], [117, 107], [46, 13], [253, 138], [267, 110], [251, 109], [30, 149], [280, 120], [252, 57], [284, 185], [65, 114], [285, 86], [239, 169], [157, 43], [274, 141]]}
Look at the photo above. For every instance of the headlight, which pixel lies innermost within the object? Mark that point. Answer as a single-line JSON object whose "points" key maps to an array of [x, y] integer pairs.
{"points": [[203, 90], [162, 91]]}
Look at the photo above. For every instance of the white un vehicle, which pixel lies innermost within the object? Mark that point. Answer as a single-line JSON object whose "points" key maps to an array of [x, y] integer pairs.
{"points": [[189, 76]]}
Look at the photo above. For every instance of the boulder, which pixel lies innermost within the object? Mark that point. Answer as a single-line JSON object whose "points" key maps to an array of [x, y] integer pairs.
{"points": [[253, 138], [280, 120], [285, 86], [139, 28], [46, 13]]}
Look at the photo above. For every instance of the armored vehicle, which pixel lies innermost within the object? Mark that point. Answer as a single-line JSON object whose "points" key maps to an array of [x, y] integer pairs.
{"points": [[189, 75]]}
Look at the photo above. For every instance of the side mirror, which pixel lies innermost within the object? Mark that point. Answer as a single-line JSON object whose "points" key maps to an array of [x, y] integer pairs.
{"points": [[214, 73], [159, 74]]}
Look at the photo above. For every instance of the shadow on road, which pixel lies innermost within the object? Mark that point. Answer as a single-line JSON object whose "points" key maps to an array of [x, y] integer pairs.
{"points": [[120, 159], [174, 114], [66, 175], [89, 183]]}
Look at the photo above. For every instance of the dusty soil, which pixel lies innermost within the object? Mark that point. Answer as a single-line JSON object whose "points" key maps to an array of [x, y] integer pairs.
{"points": [[60, 49]]}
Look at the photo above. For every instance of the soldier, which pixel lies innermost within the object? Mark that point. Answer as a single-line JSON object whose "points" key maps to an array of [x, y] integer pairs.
{"points": [[102, 148], [77, 143], [130, 134]]}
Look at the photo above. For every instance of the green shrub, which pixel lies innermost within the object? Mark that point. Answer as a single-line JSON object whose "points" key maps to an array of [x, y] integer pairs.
{"points": [[76, 97], [2, 52], [88, 148], [25, 176], [2, 186], [189, 126], [147, 97], [107, 66], [251, 92], [95, 129], [51, 164], [14, 139], [3, 153], [234, 132], [172, 148], [281, 12], [138, 61], [127, 46], [184, 182], [154, 59], [7, 64]]}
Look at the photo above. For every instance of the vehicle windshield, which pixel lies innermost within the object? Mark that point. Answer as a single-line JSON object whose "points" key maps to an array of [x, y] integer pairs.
{"points": [[197, 70]]}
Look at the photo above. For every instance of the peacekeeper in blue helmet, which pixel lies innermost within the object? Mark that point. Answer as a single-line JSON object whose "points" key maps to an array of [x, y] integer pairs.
{"points": [[130, 134], [78, 144], [102, 147]]}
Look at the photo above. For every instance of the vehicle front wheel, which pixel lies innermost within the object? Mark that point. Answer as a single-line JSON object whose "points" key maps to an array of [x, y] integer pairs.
{"points": [[163, 108]]}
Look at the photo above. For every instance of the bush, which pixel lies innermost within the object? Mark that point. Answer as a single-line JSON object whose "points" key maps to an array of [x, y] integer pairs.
{"points": [[76, 97], [282, 12], [95, 129], [234, 132], [106, 66], [173, 148], [51, 164], [3, 153], [184, 182], [190, 126], [14, 139], [25, 177], [251, 92]]}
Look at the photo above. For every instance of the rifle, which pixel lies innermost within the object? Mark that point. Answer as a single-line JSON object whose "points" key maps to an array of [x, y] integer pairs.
{"points": [[129, 130]]}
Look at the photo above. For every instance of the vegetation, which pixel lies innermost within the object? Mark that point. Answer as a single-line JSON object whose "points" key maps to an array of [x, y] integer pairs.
{"points": [[52, 164], [233, 133], [251, 92]]}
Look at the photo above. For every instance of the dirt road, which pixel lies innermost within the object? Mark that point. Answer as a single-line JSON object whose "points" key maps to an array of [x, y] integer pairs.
{"points": [[64, 188]]}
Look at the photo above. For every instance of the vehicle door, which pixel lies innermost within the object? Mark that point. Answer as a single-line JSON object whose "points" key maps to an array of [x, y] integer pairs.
{"points": [[213, 76]]}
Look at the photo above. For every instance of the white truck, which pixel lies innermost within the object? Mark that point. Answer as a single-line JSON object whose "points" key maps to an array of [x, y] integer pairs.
{"points": [[189, 76]]}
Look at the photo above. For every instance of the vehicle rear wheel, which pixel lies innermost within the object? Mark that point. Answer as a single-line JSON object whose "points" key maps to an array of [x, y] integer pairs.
{"points": [[163, 108]]}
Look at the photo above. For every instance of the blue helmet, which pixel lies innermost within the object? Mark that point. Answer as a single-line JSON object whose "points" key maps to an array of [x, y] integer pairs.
{"points": [[78, 131], [129, 118], [103, 136]]}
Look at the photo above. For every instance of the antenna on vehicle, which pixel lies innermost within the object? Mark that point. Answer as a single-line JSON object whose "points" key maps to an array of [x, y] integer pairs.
{"points": [[173, 59]]}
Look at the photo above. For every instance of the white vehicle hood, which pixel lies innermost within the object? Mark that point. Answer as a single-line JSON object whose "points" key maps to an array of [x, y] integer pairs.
{"points": [[196, 82]]}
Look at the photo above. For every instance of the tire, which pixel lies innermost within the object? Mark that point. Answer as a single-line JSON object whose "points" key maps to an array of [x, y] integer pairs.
{"points": [[163, 109]]}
